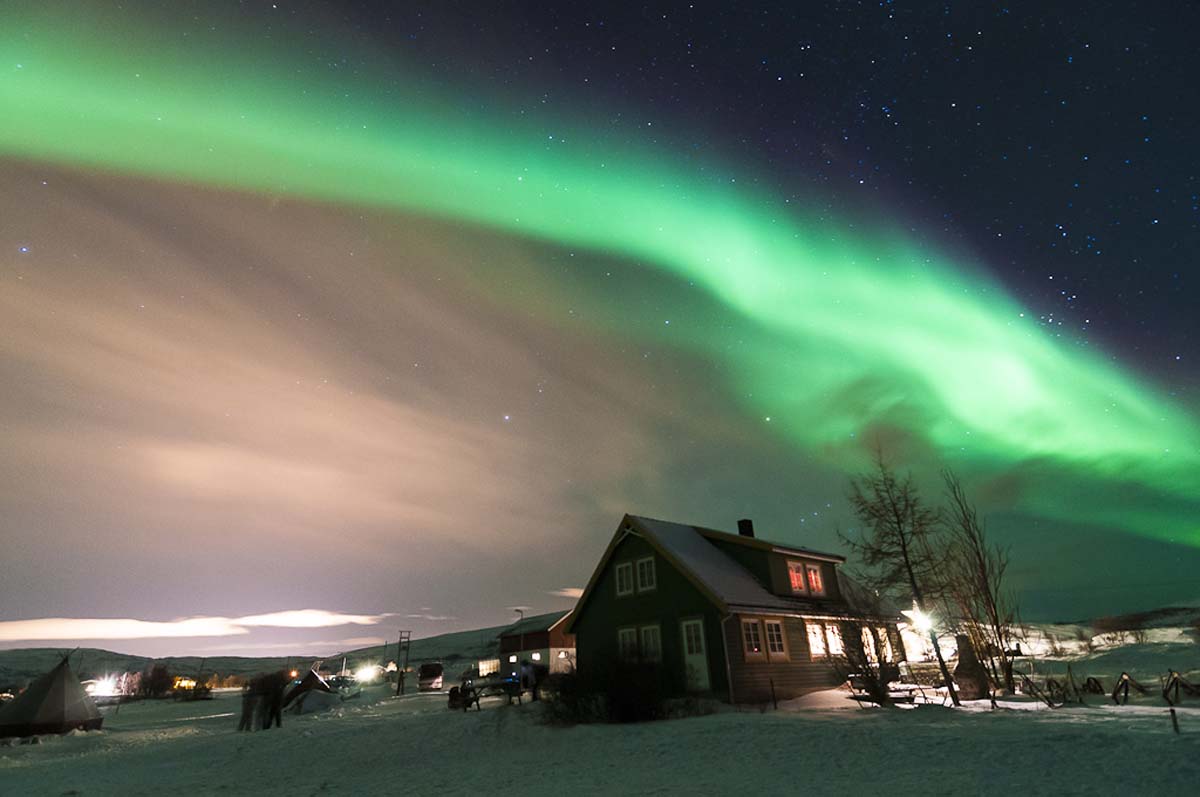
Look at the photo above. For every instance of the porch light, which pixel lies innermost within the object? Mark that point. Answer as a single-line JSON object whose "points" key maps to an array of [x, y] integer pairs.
{"points": [[921, 621]]}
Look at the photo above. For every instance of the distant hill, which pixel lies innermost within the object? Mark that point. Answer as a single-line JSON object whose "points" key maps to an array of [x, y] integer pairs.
{"points": [[1168, 616], [19, 666]]}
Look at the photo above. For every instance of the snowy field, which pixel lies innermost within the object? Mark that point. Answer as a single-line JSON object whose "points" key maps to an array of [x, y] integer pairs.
{"points": [[823, 744]]}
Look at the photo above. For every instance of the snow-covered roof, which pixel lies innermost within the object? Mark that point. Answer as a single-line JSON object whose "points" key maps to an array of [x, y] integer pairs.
{"points": [[538, 622], [724, 579]]}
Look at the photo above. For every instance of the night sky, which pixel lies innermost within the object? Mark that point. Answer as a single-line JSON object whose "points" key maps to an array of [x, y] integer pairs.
{"points": [[389, 312]]}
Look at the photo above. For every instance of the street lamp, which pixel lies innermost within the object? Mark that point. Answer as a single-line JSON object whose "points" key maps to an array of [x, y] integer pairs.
{"points": [[520, 641]]}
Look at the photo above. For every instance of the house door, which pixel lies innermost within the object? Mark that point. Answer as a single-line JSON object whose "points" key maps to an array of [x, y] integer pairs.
{"points": [[695, 656]]}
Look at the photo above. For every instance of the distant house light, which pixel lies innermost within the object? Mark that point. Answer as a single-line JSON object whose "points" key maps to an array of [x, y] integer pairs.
{"points": [[536, 656], [512, 659]]}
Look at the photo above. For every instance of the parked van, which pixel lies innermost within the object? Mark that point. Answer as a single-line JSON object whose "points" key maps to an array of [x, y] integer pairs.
{"points": [[429, 676]]}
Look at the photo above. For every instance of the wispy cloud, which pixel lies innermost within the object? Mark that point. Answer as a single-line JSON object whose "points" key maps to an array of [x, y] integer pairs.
{"points": [[567, 592], [309, 618], [320, 646], [430, 617], [73, 628]]}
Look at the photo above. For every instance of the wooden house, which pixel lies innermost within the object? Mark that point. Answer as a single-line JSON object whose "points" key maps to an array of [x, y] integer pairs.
{"points": [[726, 614], [541, 640]]}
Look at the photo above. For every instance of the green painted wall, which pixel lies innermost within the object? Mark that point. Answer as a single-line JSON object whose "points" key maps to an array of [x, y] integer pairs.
{"points": [[673, 600]]}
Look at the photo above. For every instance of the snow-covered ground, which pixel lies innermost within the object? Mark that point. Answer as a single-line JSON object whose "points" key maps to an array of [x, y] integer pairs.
{"points": [[822, 744]]}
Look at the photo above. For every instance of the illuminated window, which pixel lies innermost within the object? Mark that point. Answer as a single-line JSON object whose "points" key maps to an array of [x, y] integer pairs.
{"points": [[645, 574], [489, 667], [776, 644], [886, 643], [816, 640], [815, 584], [651, 643], [625, 578], [751, 638], [512, 659], [796, 576], [627, 643], [834, 632], [536, 656], [868, 645]]}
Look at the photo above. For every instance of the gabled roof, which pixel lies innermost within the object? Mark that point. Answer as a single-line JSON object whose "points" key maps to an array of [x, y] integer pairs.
{"points": [[725, 582], [534, 624]]}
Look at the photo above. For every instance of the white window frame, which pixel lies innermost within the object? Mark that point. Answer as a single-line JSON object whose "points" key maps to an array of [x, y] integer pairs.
{"points": [[818, 647], [652, 583], [870, 648], [753, 655], [808, 570], [627, 643], [803, 568], [776, 655], [833, 640], [643, 648], [627, 569], [888, 654]]}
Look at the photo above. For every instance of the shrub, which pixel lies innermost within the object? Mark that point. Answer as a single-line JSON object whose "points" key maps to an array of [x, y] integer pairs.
{"points": [[623, 692]]}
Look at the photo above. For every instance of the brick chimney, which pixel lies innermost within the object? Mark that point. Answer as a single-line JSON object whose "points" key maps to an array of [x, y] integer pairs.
{"points": [[746, 527]]}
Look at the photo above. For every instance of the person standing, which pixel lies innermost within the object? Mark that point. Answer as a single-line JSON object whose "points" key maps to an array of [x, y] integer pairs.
{"points": [[249, 706], [276, 682]]}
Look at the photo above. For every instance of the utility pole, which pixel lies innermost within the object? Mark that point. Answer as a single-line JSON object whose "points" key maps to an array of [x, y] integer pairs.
{"points": [[520, 650]]}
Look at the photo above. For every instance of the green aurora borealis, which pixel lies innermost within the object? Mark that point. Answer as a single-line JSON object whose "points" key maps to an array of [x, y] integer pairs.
{"points": [[851, 328]]}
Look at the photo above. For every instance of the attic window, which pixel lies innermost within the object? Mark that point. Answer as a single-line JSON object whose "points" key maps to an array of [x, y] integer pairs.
{"points": [[646, 579], [625, 578], [796, 576], [815, 583]]}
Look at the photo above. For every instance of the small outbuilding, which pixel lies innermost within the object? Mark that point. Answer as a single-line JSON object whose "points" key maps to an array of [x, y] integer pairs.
{"points": [[542, 640], [54, 703], [732, 615]]}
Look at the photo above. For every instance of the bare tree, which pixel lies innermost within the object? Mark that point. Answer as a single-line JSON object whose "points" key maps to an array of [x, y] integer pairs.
{"points": [[897, 544], [975, 583]]}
